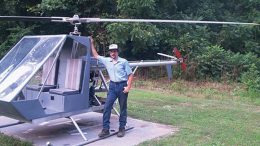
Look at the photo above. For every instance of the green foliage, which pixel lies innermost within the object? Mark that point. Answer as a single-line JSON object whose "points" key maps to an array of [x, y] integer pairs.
{"points": [[55, 4], [212, 62], [213, 51], [68, 8], [191, 39], [136, 7], [16, 33], [215, 62], [139, 37], [240, 39], [11, 141], [251, 79]]}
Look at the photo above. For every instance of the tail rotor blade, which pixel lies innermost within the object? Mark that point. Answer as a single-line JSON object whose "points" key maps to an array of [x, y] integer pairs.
{"points": [[177, 53], [183, 67], [182, 61]]}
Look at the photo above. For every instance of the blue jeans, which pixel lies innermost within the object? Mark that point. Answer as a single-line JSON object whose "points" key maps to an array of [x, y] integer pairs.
{"points": [[115, 91]]}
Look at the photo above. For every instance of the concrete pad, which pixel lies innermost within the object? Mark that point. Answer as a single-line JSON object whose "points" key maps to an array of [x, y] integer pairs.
{"points": [[62, 132]]}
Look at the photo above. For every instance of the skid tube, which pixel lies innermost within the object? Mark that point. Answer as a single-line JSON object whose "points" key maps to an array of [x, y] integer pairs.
{"points": [[12, 124], [99, 138]]}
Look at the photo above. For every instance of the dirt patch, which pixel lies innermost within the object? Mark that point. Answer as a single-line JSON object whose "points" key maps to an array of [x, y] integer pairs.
{"points": [[185, 104]]}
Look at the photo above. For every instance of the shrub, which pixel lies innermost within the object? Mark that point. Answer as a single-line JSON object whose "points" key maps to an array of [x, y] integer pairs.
{"points": [[217, 63], [251, 79], [212, 62]]}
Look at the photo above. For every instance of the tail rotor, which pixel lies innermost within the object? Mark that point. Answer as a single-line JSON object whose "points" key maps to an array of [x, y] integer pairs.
{"points": [[181, 59]]}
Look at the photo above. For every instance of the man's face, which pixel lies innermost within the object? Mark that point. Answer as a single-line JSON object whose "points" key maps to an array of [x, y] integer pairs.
{"points": [[113, 53]]}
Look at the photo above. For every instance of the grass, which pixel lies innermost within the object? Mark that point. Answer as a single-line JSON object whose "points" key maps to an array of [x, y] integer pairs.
{"points": [[206, 113], [11, 141]]}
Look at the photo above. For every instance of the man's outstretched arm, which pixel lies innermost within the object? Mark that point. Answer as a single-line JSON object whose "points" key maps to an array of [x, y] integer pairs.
{"points": [[93, 49]]}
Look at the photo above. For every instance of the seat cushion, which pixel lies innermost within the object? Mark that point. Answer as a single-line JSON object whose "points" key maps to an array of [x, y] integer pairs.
{"points": [[63, 91], [73, 74], [46, 68], [46, 88]]}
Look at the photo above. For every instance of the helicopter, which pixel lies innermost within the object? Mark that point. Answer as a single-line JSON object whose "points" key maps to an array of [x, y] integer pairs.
{"points": [[45, 77]]}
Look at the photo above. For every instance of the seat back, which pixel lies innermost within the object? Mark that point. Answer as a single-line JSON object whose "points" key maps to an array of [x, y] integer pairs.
{"points": [[73, 74], [46, 68]]}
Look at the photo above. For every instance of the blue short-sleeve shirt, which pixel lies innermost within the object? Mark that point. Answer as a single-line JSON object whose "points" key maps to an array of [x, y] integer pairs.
{"points": [[117, 72]]}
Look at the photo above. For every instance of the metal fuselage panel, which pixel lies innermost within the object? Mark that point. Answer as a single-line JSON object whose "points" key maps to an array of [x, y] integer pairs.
{"points": [[32, 108]]}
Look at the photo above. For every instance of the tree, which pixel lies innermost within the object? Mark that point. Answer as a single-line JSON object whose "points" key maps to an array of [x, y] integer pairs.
{"points": [[144, 40]]}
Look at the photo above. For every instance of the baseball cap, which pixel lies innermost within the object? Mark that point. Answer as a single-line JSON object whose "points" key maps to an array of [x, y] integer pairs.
{"points": [[112, 47]]}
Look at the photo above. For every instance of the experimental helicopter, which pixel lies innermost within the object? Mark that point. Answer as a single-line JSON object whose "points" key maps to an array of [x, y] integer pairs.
{"points": [[45, 77]]}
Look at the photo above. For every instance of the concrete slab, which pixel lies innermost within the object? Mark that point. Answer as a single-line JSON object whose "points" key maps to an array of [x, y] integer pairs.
{"points": [[62, 132]]}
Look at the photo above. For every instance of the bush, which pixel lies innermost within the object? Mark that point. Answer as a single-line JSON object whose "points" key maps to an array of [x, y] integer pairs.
{"points": [[251, 79], [212, 62], [16, 33], [217, 63]]}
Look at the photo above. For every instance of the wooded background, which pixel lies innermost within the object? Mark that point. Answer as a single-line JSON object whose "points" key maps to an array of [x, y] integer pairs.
{"points": [[215, 52]]}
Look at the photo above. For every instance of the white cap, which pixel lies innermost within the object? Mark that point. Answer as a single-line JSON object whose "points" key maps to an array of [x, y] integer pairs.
{"points": [[113, 46]]}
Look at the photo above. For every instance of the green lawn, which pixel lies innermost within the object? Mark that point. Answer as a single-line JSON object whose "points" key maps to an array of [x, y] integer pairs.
{"points": [[217, 117], [201, 121], [205, 113], [10, 141]]}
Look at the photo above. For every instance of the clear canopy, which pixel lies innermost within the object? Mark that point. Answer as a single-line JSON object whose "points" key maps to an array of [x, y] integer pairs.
{"points": [[23, 61]]}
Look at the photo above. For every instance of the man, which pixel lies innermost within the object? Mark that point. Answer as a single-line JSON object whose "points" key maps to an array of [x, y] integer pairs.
{"points": [[121, 78]]}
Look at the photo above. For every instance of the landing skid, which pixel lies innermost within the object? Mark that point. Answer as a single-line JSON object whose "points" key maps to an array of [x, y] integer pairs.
{"points": [[12, 124], [99, 138]]}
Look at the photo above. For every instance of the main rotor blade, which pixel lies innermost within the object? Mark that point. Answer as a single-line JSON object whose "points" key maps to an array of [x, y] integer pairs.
{"points": [[88, 20], [30, 18], [76, 19]]}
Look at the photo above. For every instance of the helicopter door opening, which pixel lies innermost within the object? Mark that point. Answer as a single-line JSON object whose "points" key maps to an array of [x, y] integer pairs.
{"points": [[71, 84], [51, 81], [44, 80], [72, 78], [70, 93]]}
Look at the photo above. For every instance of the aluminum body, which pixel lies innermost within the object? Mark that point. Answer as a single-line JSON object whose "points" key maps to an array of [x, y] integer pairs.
{"points": [[25, 60]]}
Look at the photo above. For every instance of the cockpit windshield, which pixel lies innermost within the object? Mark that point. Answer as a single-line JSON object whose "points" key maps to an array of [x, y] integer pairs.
{"points": [[23, 61]]}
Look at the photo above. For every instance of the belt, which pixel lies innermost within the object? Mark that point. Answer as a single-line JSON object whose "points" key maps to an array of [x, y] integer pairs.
{"points": [[118, 82]]}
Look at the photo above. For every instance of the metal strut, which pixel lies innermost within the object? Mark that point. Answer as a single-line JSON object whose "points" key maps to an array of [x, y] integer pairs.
{"points": [[77, 126]]}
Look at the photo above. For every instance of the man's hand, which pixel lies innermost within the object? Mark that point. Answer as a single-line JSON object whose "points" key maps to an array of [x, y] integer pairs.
{"points": [[129, 83], [91, 40], [126, 89]]}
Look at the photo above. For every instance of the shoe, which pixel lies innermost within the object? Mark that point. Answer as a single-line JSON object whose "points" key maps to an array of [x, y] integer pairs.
{"points": [[103, 133], [121, 132]]}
